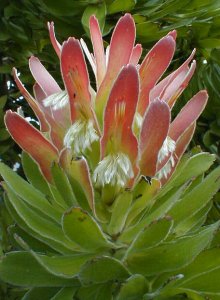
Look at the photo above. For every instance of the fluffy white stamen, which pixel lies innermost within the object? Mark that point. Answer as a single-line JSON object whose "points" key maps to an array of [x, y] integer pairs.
{"points": [[80, 136], [165, 171], [114, 169], [166, 150], [57, 100]]}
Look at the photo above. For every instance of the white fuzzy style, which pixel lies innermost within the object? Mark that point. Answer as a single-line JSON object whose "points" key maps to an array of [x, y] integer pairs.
{"points": [[168, 148], [57, 100], [114, 169], [80, 136], [165, 171]]}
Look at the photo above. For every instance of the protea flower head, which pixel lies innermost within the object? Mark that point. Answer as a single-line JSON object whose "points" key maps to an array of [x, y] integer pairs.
{"points": [[122, 126], [109, 211]]}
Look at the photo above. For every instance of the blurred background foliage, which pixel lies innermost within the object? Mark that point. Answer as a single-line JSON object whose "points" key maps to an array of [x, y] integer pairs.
{"points": [[23, 32]]}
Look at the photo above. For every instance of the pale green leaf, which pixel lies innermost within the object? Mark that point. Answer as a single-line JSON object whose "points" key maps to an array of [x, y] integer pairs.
{"points": [[134, 288], [172, 255], [21, 268], [28, 193], [101, 270], [83, 230], [120, 210]]}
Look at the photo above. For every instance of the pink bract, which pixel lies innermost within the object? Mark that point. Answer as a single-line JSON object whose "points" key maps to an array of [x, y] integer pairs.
{"points": [[121, 128]]}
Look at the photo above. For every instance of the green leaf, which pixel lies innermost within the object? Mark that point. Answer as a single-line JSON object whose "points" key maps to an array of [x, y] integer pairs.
{"points": [[48, 241], [189, 168], [129, 234], [148, 32], [44, 227], [17, 32], [65, 8], [28, 193], [204, 262], [3, 100], [99, 10], [81, 228], [134, 288], [63, 186], [201, 196], [57, 198], [202, 276], [66, 266], [120, 6], [98, 292], [35, 244], [151, 236], [144, 193], [40, 293], [66, 293], [4, 135], [33, 174], [21, 268], [172, 255], [120, 210], [209, 43], [101, 270], [193, 222]]}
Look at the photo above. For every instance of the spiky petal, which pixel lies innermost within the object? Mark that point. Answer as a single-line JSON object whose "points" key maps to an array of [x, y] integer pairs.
{"points": [[54, 42], [172, 85], [31, 101], [121, 47], [98, 49], [188, 115], [136, 54], [153, 133], [42, 77], [32, 141], [152, 68], [118, 140], [76, 79]]}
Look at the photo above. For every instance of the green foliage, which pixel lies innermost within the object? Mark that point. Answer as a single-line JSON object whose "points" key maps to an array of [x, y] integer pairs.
{"points": [[67, 253], [197, 23]]}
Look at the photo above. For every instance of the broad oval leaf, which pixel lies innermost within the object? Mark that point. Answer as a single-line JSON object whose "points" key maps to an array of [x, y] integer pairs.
{"points": [[102, 269], [81, 228], [134, 288], [151, 236], [22, 269]]}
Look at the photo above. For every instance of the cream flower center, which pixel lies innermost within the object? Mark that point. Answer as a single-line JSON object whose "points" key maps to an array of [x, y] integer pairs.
{"points": [[168, 149], [57, 100], [80, 136], [114, 169]]}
